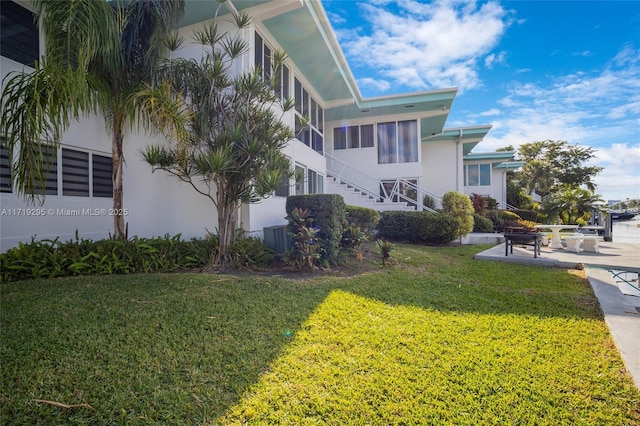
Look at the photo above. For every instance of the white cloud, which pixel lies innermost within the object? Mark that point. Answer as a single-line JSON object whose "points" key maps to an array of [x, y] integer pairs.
{"points": [[491, 112], [381, 85], [428, 45], [596, 109], [493, 59]]}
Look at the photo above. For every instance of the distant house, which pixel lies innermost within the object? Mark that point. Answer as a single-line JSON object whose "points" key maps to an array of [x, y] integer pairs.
{"points": [[384, 152]]}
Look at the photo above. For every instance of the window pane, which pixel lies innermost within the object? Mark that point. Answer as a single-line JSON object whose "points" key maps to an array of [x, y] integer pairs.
{"points": [[297, 87], [387, 151], [314, 113], [19, 38], [305, 103], [353, 138], [50, 156], [285, 82], [266, 71], [317, 141], [283, 188], [339, 138], [485, 174], [312, 181], [320, 184], [408, 141], [366, 136], [320, 119], [75, 173], [258, 51], [102, 168], [472, 174], [300, 183]]}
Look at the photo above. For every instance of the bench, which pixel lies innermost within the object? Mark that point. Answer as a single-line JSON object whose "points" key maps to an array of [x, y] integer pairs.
{"points": [[522, 239], [589, 243]]}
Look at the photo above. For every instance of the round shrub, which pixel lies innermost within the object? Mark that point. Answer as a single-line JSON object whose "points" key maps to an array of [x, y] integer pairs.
{"points": [[459, 206], [482, 224], [364, 218]]}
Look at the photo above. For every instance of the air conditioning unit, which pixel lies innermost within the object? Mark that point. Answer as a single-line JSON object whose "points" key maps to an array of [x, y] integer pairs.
{"points": [[277, 238]]}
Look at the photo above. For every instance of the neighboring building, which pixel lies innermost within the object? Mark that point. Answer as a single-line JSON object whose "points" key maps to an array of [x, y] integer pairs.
{"points": [[385, 153]]}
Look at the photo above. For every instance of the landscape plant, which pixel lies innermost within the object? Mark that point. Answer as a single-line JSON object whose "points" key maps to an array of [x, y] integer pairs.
{"points": [[459, 206], [98, 55], [236, 135], [304, 252]]}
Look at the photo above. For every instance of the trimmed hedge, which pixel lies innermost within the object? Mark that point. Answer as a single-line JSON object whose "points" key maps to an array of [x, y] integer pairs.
{"points": [[418, 227], [482, 224], [365, 218], [328, 212]]}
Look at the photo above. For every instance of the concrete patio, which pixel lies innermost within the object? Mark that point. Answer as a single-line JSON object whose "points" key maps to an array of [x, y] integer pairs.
{"points": [[621, 312]]}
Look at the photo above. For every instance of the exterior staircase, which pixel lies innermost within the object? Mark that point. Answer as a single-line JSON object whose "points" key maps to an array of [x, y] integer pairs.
{"points": [[342, 178]]}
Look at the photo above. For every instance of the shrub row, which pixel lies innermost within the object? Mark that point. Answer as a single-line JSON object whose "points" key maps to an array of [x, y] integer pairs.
{"points": [[366, 219], [53, 258], [418, 227]]}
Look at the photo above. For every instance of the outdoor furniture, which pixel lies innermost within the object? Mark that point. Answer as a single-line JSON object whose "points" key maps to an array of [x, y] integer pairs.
{"points": [[573, 242], [590, 243], [556, 241], [522, 239]]}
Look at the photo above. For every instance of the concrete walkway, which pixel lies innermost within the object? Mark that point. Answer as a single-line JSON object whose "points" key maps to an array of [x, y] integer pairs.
{"points": [[621, 312]]}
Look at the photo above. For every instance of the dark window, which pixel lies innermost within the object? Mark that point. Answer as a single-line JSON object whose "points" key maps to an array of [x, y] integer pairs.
{"points": [[18, 34], [102, 176], [75, 173], [283, 188], [339, 138], [353, 138], [5, 169], [297, 87], [317, 141], [285, 82], [366, 136], [258, 51]]}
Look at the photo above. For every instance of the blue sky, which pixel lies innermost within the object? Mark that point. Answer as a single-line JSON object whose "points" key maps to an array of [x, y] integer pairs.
{"points": [[535, 70]]}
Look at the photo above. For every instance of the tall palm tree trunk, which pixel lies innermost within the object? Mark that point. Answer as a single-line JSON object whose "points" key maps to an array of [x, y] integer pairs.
{"points": [[117, 160]]}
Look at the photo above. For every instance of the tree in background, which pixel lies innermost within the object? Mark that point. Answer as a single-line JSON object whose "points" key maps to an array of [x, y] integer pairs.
{"points": [[234, 153], [459, 206], [98, 54], [571, 205], [550, 165]]}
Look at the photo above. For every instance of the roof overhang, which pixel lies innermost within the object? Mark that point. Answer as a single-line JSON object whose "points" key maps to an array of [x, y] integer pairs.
{"points": [[468, 136]]}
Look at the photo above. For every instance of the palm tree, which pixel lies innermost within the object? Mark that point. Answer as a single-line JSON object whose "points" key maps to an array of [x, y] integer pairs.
{"points": [[98, 54], [571, 205]]}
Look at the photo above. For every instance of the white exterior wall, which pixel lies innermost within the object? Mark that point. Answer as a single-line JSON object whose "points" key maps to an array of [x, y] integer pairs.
{"points": [[441, 167]]}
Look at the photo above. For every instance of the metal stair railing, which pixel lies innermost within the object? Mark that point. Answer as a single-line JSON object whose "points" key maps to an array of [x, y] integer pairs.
{"points": [[346, 173]]}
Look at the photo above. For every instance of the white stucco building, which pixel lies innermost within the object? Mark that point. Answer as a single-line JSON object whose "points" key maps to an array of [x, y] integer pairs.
{"points": [[384, 153]]}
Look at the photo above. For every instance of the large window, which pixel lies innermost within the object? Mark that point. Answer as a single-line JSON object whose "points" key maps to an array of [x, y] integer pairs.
{"points": [[397, 142], [349, 137], [263, 61], [477, 174], [309, 180], [311, 134], [18, 34]]}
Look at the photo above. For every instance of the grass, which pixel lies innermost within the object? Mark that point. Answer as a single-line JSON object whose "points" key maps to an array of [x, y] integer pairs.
{"points": [[437, 339]]}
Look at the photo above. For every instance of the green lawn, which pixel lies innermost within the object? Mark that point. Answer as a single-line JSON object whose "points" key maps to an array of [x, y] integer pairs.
{"points": [[437, 339]]}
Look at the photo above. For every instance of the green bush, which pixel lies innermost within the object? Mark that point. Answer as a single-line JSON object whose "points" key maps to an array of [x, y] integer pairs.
{"points": [[53, 258], [459, 206], [530, 215], [482, 224], [328, 212], [251, 252], [418, 227], [499, 217], [364, 218]]}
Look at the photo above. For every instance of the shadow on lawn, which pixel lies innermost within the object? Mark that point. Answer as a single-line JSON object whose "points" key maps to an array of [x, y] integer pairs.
{"points": [[183, 349]]}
